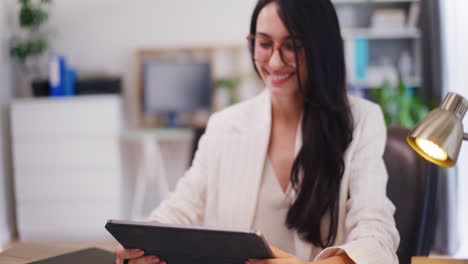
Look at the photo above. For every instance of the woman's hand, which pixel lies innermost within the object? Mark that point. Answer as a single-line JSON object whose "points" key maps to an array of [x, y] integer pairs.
{"points": [[135, 256], [281, 257]]}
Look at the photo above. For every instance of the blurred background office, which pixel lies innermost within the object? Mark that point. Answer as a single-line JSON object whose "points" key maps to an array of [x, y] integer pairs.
{"points": [[102, 102]]}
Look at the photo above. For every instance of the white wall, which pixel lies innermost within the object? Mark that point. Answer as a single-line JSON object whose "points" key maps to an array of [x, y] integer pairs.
{"points": [[6, 187], [102, 35], [455, 41]]}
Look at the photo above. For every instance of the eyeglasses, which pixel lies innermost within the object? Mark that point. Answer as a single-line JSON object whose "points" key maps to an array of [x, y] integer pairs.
{"points": [[262, 48]]}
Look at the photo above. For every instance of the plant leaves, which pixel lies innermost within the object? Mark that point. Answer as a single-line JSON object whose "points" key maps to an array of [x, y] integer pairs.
{"points": [[23, 50], [32, 17], [401, 105]]}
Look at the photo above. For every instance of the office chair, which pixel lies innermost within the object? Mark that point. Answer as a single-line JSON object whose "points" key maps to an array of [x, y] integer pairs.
{"points": [[197, 134], [412, 187]]}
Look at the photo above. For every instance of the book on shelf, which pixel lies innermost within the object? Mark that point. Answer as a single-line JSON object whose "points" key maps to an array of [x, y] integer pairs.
{"points": [[413, 15], [357, 59], [357, 63], [388, 18], [361, 50], [349, 59]]}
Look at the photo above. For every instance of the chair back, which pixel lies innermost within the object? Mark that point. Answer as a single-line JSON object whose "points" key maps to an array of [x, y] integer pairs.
{"points": [[412, 187]]}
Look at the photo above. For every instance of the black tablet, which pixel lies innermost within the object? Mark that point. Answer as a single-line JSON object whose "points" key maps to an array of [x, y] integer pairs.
{"points": [[177, 244]]}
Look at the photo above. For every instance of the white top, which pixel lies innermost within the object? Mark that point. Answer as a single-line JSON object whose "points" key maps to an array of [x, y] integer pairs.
{"points": [[272, 207]]}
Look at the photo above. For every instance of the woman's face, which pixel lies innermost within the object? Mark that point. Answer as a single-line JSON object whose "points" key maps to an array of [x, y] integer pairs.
{"points": [[278, 71]]}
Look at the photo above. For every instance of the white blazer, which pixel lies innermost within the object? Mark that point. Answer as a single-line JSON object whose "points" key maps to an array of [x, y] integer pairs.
{"points": [[221, 187]]}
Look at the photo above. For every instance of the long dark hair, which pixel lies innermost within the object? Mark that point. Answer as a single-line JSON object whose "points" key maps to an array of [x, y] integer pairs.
{"points": [[327, 120]]}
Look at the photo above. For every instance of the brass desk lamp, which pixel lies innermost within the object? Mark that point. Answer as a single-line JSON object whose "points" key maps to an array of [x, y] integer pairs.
{"points": [[439, 135]]}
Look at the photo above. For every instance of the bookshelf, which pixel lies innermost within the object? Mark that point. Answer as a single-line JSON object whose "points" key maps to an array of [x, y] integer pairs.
{"points": [[368, 33], [382, 38]]}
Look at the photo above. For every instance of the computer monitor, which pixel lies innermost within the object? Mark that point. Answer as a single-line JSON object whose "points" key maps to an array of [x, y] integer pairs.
{"points": [[176, 87]]}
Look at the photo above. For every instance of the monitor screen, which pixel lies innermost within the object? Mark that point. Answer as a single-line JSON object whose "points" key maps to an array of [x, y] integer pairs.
{"points": [[176, 86]]}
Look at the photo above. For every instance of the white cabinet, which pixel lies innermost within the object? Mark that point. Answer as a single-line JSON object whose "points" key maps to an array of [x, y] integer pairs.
{"points": [[67, 171]]}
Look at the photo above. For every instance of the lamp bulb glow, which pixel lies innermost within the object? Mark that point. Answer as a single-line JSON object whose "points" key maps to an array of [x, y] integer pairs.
{"points": [[431, 149]]}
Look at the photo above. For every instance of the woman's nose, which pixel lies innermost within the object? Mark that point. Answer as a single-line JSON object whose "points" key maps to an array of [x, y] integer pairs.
{"points": [[276, 62]]}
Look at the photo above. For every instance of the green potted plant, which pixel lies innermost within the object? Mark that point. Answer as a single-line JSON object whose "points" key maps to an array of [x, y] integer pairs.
{"points": [[30, 43], [225, 92], [401, 106]]}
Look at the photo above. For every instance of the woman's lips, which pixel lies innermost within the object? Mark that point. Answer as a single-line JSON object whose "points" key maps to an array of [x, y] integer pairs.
{"points": [[278, 79]]}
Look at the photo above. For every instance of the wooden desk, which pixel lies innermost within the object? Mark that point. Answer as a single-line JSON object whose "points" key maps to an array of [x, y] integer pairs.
{"points": [[433, 260], [23, 253]]}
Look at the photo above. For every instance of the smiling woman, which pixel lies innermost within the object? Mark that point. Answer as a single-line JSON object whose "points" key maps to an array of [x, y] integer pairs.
{"points": [[302, 161], [313, 51]]}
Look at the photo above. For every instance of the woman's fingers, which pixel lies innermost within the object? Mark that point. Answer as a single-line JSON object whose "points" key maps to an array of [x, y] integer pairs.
{"points": [[124, 253], [135, 256], [146, 260]]}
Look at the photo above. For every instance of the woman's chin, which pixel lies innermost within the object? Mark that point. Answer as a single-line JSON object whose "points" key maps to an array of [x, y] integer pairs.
{"points": [[282, 91]]}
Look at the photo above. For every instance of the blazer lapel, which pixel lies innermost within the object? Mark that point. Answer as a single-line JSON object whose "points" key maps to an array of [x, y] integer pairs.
{"points": [[246, 154], [256, 144]]}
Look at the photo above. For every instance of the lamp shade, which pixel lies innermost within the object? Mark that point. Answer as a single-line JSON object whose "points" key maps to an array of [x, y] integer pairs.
{"points": [[439, 135]]}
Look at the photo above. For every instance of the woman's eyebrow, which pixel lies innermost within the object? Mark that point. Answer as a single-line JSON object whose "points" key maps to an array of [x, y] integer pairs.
{"points": [[289, 37], [263, 34]]}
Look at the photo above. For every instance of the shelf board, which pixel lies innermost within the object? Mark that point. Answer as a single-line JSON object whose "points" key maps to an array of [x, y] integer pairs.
{"points": [[413, 81], [373, 1], [371, 33]]}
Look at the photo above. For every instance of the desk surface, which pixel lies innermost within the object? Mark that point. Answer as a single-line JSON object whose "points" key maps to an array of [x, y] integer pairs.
{"points": [[437, 260], [23, 253]]}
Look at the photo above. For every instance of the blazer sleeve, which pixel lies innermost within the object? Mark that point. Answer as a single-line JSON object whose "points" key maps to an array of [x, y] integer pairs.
{"points": [[186, 204], [372, 236]]}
